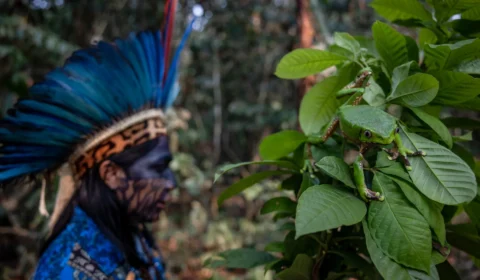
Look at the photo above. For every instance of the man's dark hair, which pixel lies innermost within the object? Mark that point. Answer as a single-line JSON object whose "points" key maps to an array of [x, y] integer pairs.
{"points": [[100, 203]]}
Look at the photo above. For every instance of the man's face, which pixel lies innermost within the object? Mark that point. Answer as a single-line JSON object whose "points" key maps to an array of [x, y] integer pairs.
{"points": [[144, 185]]}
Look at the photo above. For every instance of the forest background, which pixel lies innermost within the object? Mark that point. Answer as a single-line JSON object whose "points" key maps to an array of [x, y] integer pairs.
{"points": [[230, 100]]}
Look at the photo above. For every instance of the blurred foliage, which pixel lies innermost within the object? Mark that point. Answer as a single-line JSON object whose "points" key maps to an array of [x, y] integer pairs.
{"points": [[230, 100]]}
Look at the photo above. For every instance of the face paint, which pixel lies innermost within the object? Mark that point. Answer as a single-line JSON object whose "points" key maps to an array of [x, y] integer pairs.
{"points": [[147, 182]]}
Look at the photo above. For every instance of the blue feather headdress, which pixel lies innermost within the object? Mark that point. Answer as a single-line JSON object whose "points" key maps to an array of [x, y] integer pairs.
{"points": [[96, 88]]}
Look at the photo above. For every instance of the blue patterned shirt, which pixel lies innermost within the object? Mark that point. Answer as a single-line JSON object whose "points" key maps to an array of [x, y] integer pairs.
{"points": [[82, 251]]}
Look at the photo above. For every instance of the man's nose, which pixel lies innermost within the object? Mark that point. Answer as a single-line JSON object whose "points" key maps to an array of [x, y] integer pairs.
{"points": [[170, 176]]}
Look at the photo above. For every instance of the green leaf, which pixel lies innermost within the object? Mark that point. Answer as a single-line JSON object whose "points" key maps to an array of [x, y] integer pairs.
{"points": [[325, 207], [336, 168], [444, 9], [275, 247], [320, 104], [241, 258], [459, 122], [412, 49], [467, 137], [329, 148], [398, 229], [306, 183], [245, 183], [347, 42], [279, 163], [374, 94], [301, 63], [426, 36], [415, 91], [447, 56], [464, 154], [473, 211], [395, 10], [281, 144], [429, 209], [301, 269], [441, 175], [471, 67], [368, 44], [388, 268], [390, 44], [464, 237], [455, 87], [435, 124], [288, 226], [279, 205], [401, 72], [472, 14], [396, 170]]}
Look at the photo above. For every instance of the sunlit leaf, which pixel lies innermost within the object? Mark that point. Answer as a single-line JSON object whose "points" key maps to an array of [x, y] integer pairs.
{"points": [[398, 229], [325, 207], [301, 63]]}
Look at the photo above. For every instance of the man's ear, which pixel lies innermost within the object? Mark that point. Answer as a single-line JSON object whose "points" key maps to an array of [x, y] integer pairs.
{"points": [[113, 175]]}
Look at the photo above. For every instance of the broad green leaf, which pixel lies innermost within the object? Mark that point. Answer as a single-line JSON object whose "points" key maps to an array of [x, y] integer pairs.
{"points": [[336, 168], [279, 205], [382, 160], [319, 105], [390, 44], [473, 104], [374, 94], [415, 91], [245, 183], [301, 63], [467, 137], [426, 36], [281, 144], [444, 9], [368, 44], [288, 226], [329, 148], [459, 122], [465, 155], [395, 10], [279, 163], [303, 245], [301, 269], [398, 229], [306, 183], [388, 268], [436, 125], [241, 258], [441, 175], [396, 170], [275, 247], [347, 42], [447, 56], [429, 209], [473, 211], [401, 72], [464, 237], [472, 14], [412, 49], [455, 87], [469, 67], [325, 207]]}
